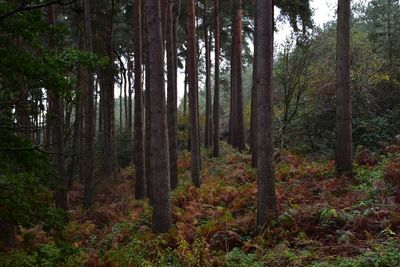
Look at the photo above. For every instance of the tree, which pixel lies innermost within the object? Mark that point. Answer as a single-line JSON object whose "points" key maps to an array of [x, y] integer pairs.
{"points": [[159, 163], [140, 187], [253, 115], [266, 204], [344, 146], [207, 43], [57, 132], [89, 111], [216, 79], [193, 92], [172, 96], [237, 121]]}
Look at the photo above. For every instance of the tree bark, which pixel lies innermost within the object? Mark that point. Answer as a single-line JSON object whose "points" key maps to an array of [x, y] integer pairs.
{"points": [[171, 98], [193, 93], [57, 134], [208, 121], [140, 187], [89, 113], [159, 164], [344, 144], [266, 204], [216, 107], [253, 116], [237, 91]]}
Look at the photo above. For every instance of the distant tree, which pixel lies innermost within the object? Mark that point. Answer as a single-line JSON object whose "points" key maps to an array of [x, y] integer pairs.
{"points": [[344, 143], [266, 204], [207, 44], [159, 162]]}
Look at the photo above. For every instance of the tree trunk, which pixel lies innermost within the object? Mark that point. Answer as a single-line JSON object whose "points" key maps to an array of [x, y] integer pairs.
{"points": [[171, 99], [89, 113], [217, 82], [266, 204], [147, 96], [159, 164], [57, 134], [237, 91], [193, 93], [208, 122], [140, 186], [344, 146], [253, 116]]}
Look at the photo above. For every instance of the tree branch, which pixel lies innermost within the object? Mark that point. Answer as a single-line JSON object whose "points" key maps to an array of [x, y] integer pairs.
{"points": [[24, 6]]}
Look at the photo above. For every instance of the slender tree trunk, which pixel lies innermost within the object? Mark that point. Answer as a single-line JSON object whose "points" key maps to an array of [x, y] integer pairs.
{"points": [[253, 116], [193, 93], [344, 146], [217, 82], [266, 204], [129, 94], [140, 187], [57, 133], [208, 121], [237, 91], [171, 99], [159, 164], [89, 112], [147, 96]]}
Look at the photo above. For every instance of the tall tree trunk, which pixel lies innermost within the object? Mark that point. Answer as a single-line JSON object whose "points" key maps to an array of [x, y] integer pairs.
{"points": [[140, 186], [89, 112], [108, 115], [237, 91], [253, 116], [344, 145], [217, 27], [57, 134], [159, 164], [129, 94], [147, 96], [171, 99], [193, 93], [208, 121], [266, 204]]}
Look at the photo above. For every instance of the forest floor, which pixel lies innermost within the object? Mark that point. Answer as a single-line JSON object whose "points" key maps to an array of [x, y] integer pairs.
{"points": [[324, 220]]}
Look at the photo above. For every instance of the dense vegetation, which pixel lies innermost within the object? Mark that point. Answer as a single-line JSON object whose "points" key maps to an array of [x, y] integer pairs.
{"points": [[102, 165]]}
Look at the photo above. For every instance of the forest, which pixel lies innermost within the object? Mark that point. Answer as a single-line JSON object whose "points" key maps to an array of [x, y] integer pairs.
{"points": [[199, 133]]}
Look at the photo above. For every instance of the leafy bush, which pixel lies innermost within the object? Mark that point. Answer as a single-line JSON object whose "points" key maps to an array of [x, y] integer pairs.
{"points": [[48, 255]]}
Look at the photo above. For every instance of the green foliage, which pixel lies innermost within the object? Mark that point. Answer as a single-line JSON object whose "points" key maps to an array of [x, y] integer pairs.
{"points": [[49, 255], [237, 257], [385, 255]]}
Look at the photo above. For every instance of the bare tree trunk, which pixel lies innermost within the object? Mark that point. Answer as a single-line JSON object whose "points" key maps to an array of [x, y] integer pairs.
{"points": [[159, 164], [344, 144], [217, 34], [193, 93], [208, 121], [237, 91], [129, 94], [171, 99], [89, 113], [147, 96], [57, 133], [140, 186], [266, 204], [253, 116]]}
